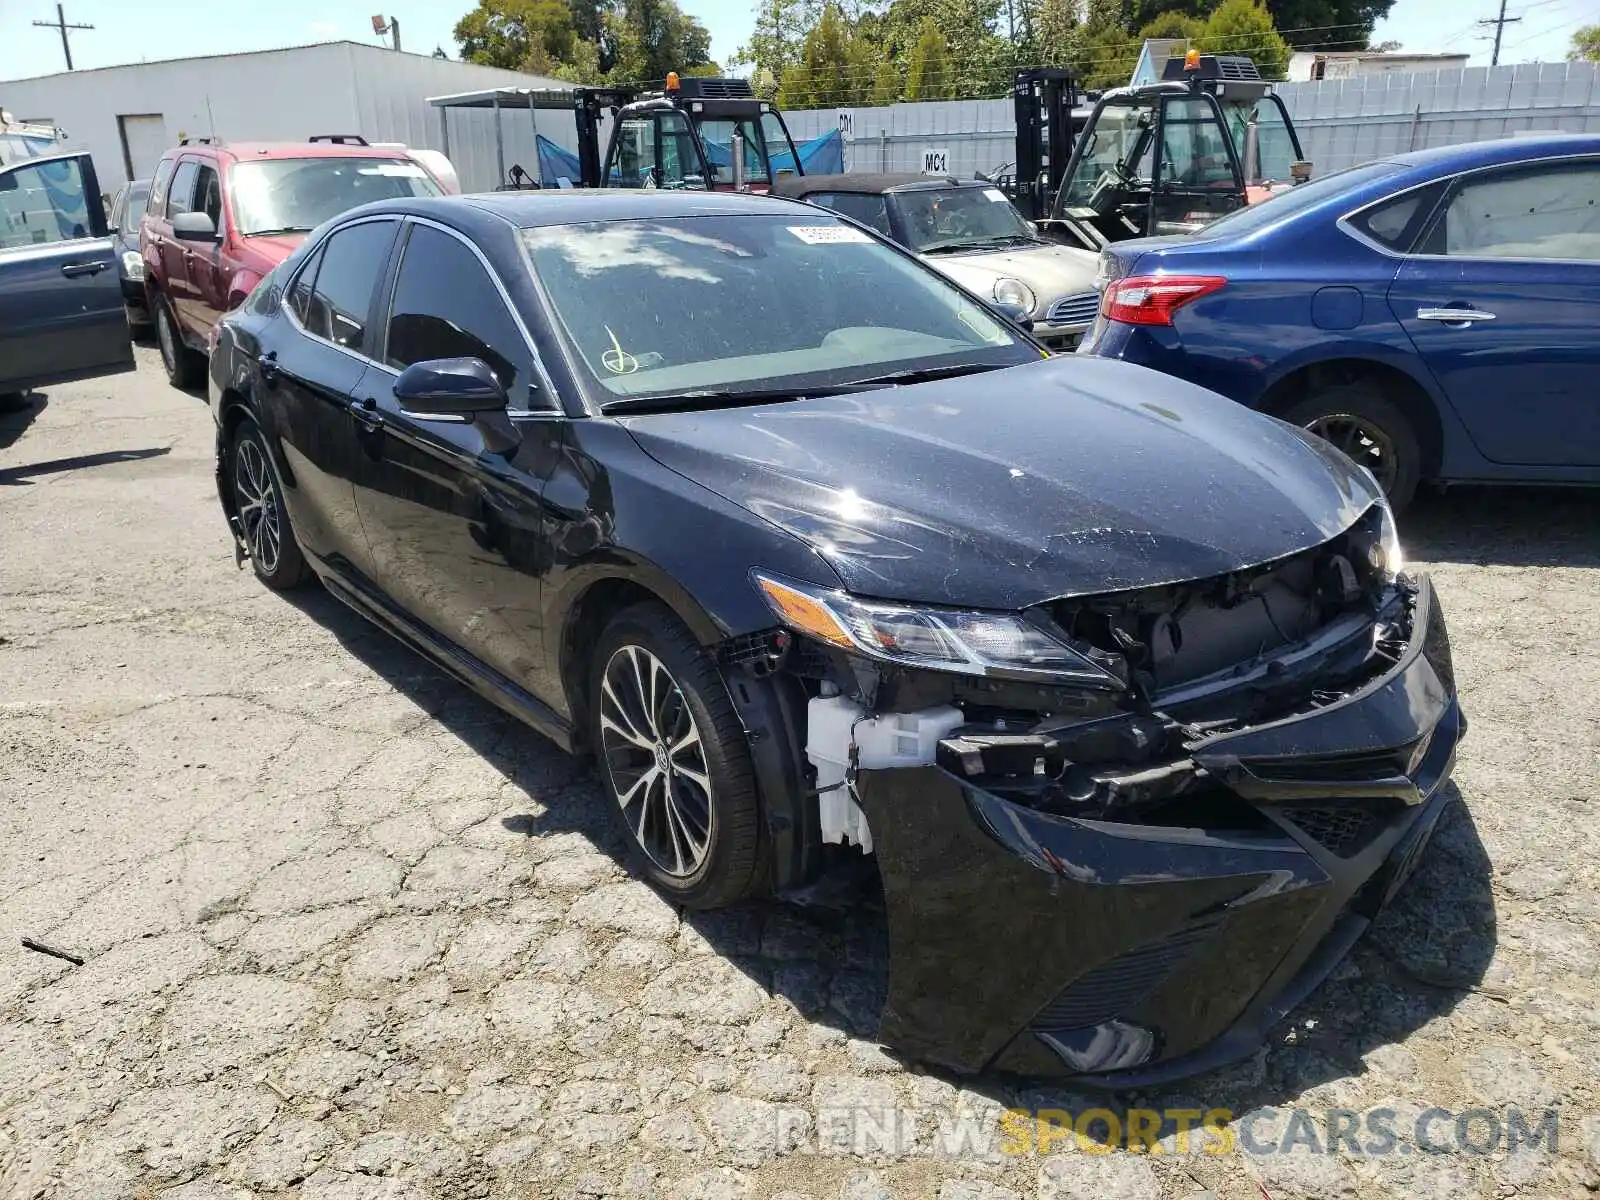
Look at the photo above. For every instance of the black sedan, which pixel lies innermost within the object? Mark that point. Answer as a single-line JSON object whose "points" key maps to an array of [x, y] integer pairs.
{"points": [[127, 210], [1123, 685]]}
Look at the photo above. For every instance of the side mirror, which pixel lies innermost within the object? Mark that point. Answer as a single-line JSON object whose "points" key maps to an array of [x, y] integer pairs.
{"points": [[194, 227], [449, 387]]}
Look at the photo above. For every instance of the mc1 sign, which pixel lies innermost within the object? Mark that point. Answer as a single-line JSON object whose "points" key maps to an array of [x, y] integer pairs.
{"points": [[936, 162]]}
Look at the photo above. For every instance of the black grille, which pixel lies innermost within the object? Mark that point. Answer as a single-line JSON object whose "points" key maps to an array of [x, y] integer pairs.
{"points": [[1073, 310], [1345, 830], [1237, 66], [1116, 988]]}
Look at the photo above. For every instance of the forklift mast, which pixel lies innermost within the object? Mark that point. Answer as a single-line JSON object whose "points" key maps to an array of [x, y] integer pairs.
{"points": [[1043, 98]]}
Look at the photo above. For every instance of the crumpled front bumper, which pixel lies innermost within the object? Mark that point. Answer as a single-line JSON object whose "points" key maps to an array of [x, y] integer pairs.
{"points": [[1130, 955]]}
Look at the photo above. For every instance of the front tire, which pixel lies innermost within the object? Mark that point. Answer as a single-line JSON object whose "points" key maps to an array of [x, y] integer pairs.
{"points": [[263, 521], [674, 760], [185, 368], [1361, 421], [11, 402]]}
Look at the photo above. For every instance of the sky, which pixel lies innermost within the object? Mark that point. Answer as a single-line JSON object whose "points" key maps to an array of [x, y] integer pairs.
{"points": [[142, 30]]}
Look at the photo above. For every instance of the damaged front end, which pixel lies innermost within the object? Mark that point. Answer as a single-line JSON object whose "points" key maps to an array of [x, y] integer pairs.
{"points": [[1120, 836]]}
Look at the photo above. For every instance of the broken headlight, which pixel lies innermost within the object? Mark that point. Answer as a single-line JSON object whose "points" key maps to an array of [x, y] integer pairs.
{"points": [[1378, 538], [940, 639]]}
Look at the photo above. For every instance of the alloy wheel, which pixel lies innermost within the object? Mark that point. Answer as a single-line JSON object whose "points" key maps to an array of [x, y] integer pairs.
{"points": [[656, 760], [258, 505], [1364, 442]]}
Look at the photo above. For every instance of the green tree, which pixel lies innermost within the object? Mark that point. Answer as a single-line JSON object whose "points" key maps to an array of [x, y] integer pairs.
{"points": [[1103, 53], [928, 66], [887, 86], [1245, 27], [506, 33], [776, 41], [1327, 24], [1585, 44], [1173, 24]]}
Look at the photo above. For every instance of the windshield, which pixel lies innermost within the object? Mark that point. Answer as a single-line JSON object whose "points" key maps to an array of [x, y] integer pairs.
{"points": [[953, 218], [1286, 204], [717, 137], [281, 195], [753, 304], [1122, 129]]}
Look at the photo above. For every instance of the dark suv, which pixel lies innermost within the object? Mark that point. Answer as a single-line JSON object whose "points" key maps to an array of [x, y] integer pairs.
{"points": [[221, 216]]}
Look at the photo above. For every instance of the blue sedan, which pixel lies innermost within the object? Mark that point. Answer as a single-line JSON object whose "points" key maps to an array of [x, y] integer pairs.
{"points": [[1436, 314]]}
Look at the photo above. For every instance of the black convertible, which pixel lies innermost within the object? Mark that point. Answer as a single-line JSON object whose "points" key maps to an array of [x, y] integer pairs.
{"points": [[1123, 685]]}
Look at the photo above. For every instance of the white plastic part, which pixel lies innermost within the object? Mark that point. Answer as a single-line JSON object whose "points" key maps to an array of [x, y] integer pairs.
{"points": [[834, 724]]}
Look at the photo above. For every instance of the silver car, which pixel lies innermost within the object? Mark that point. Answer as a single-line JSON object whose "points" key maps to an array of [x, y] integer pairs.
{"points": [[971, 232]]}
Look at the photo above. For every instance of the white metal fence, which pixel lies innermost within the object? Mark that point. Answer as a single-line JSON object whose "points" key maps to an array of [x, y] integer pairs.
{"points": [[1341, 121]]}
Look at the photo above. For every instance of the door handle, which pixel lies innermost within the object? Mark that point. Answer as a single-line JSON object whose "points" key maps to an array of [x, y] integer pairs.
{"points": [[367, 415], [267, 364], [79, 269], [1454, 316]]}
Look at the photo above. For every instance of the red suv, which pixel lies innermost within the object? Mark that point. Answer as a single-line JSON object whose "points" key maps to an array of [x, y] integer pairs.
{"points": [[221, 216]]}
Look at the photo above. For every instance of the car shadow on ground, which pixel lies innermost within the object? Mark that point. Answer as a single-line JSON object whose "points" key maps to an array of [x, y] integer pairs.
{"points": [[14, 422], [1504, 526], [830, 959]]}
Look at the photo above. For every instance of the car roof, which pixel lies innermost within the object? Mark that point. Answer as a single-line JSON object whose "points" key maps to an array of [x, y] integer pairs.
{"points": [[868, 184], [570, 206], [243, 151], [1499, 151]]}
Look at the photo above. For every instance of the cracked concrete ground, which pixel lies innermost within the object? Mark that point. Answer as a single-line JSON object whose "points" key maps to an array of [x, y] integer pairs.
{"points": [[350, 933]]}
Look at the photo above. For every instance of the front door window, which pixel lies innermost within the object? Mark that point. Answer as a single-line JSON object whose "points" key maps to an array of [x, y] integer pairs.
{"points": [[42, 203]]}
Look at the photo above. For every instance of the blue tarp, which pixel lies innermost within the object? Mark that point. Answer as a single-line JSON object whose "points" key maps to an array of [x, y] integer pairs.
{"points": [[820, 156]]}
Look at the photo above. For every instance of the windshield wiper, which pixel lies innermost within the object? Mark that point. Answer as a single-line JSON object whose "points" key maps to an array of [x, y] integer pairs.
{"points": [[927, 374], [714, 398], [983, 243], [276, 232]]}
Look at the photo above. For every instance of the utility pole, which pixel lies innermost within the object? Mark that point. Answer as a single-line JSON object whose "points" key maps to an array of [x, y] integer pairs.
{"points": [[1499, 24], [61, 23]]}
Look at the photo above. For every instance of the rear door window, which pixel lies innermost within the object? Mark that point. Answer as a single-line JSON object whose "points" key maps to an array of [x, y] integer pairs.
{"points": [[304, 282], [158, 186], [353, 259]]}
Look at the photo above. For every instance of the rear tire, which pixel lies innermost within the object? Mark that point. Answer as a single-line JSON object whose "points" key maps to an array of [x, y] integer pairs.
{"points": [[263, 521], [674, 761], [1361, 421], [185, 368]]}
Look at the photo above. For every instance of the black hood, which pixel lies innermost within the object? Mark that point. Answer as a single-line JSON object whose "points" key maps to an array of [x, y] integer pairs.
{"points": [[1067, 477]]}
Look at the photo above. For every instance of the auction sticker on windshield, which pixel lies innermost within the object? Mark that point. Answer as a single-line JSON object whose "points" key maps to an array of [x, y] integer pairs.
{"points": [[393, 170], [822, 235]]}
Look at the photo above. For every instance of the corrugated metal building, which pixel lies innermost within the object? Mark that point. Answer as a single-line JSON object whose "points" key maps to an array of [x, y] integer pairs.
{"points": [[126, 116]]}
